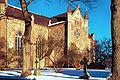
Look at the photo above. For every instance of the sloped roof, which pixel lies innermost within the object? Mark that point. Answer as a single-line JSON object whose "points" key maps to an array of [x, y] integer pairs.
{"points": [[39, 19], [17, 13], [60, 17]]}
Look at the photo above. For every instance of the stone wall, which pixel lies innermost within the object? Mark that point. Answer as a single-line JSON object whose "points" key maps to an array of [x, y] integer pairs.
{"points": [[16, 25], [56, 43], [13, 27], [39, 32], [2, 36], [52, 37]]}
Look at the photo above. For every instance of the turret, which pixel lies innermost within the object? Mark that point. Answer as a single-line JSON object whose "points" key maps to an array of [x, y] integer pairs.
{"points": [[3, 5], [86, 19], [69, 12], [69, 15], [69, 20], [69, 8], [85, 26], [86, 15], [4, 2], [78, 7]]}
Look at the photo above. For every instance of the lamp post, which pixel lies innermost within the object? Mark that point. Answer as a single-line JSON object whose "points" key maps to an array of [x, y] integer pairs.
{"points": [[36, 71]]}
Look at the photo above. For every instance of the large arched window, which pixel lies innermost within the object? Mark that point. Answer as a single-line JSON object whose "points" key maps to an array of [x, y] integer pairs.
{"points": [[39, 47], [19, 42]]}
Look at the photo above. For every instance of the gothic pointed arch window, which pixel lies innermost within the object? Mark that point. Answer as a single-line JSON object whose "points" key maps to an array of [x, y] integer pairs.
{"points": [[19, 42], [40, 47]]}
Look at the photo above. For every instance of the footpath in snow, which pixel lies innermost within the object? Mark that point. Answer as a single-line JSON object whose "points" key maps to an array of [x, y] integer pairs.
{"points": [[50, 74]]}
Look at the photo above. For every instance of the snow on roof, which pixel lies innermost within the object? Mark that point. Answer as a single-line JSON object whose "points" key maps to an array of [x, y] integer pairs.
{"points": [[52, 24]]}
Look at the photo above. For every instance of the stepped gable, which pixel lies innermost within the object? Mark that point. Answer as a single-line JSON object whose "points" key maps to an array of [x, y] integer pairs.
{"points": [[17, 13]]}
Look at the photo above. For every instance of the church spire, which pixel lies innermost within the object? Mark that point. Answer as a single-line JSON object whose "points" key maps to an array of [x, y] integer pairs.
{"points": [[69, 8], [78, 6], [86, 15]]}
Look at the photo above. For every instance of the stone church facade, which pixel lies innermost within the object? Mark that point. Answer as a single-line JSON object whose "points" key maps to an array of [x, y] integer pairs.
{"points": [[51, 38]]}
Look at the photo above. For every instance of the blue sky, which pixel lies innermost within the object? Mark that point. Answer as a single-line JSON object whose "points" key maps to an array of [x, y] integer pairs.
{"points": [[99, 17], [100, 20]]}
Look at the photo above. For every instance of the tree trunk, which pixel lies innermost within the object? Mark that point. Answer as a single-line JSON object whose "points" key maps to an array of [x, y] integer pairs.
{"points": [[26, 40], [26, 52], [115, 31]]}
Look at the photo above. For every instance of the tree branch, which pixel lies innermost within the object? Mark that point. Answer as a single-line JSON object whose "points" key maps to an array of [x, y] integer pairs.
{"points": [[29, 2], [82, 0], [87, 3]]}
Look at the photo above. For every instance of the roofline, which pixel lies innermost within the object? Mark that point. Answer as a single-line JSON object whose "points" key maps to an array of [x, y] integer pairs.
{"points": [[62, 13], [14, 6], [56, 23], [28, 11]]}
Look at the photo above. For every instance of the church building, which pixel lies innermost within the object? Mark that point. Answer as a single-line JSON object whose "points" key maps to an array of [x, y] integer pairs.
{"points": [[53, 40]]}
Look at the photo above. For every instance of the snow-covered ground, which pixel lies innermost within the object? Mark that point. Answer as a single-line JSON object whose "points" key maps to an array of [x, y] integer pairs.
{"points": [[49, 74]]}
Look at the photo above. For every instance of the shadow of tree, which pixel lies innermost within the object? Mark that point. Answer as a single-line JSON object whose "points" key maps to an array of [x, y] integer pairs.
{"points": [[93, 73]]}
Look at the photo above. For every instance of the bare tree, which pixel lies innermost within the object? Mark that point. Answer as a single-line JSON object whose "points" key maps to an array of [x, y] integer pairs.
{"points": [[2, 54], [9, 60], [26, 38], [51, 48], [41, 48], [103, 50], [57, 46], [74, 56], [27, 35], [12, 58]]}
